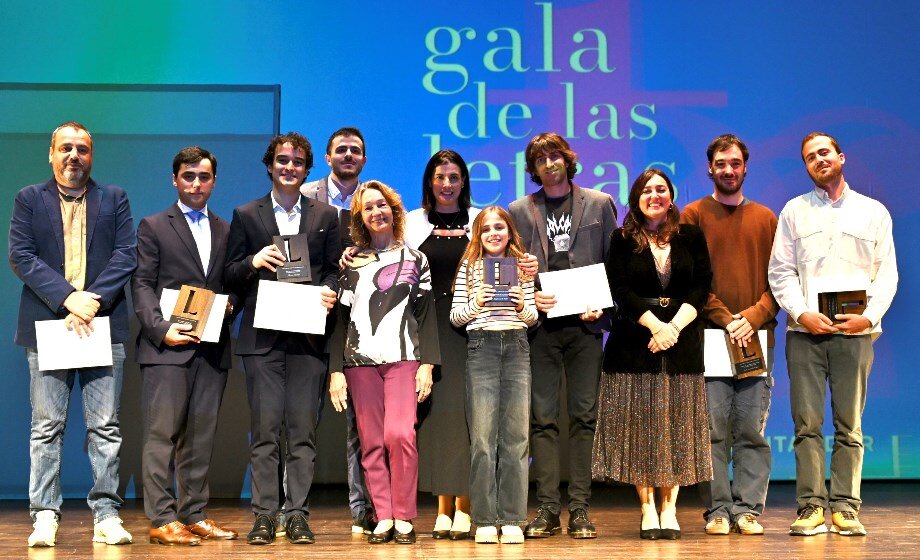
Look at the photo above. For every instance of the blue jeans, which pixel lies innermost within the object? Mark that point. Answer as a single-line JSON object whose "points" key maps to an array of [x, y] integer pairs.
{"points": [[49, 392], [498, 413], [738, 411]]}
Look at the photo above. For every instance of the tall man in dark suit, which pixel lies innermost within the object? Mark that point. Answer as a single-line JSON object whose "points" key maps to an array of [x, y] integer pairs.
{"points": [[565, 226], [286, 373], [72, 244], [346, 156], [183, 378]]}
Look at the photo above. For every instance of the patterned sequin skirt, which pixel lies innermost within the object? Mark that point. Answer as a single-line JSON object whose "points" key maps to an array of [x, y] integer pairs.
{"points": [[652, 430]]}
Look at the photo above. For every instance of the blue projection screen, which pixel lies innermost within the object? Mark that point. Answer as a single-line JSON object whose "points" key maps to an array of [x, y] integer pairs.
{"points": [[630, 84]]}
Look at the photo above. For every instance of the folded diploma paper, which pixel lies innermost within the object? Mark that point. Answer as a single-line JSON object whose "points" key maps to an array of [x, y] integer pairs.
{"points": [[577, 289], [283, 306], [59, 348]]}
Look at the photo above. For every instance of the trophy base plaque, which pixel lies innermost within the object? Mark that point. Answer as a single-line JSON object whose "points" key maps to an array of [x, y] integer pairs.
{"points": [[749, 360], [192, 308], [833, 303], [501, 273], [296, 251]]}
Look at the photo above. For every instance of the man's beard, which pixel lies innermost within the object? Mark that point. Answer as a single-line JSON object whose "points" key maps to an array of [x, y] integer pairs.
{"points": [[728, 190]]}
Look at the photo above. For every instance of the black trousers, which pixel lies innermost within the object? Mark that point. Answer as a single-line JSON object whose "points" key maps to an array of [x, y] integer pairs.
{"points": [[181, 406], [285, 388], [563, 346]]}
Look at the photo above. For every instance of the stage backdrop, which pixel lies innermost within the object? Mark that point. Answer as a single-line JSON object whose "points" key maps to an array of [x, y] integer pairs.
{"points": [[632, 85]]}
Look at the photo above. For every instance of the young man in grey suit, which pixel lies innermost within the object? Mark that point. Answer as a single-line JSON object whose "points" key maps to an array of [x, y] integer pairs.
{"points": [[346, 156], [565, 226], [183, 379]]}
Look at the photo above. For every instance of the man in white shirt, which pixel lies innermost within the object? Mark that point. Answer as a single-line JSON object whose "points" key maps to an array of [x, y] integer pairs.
{"points": [[346, 157], [830, 239]]}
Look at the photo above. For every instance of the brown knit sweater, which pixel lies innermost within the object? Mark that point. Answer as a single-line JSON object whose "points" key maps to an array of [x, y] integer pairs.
{"points": [[739, 240]]}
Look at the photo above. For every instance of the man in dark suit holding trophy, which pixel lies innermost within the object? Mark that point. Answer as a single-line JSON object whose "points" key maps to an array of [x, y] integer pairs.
{"points": [[183, 377], [286, 372]]}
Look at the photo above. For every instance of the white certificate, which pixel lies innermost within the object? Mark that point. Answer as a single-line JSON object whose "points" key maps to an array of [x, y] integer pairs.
{"points": [[59, 348], [577, 289], [214, 321], [284, 306], [715, 353]]}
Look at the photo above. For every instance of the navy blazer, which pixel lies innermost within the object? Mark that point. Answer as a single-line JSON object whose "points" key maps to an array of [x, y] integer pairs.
{"points": [[36, 251], [251, 229], [167, 257]]}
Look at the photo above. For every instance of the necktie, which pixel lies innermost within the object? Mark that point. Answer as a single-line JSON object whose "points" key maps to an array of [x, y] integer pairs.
{"points": [[195, 215]]}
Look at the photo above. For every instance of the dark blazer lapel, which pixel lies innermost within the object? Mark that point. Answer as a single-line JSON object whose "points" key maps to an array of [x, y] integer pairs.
{"points": [[538, 210], [578, 211], [93, 202], [267, 215], [306, 216], [216, 227], [52, 201], [180, 225]]}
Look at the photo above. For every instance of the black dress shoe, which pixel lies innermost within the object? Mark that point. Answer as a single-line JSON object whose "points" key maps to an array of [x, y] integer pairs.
{"points": [[459, 535], [441, 534], [263, 531], [545, 524], [381, 538], [580, 527], [298, 531], [670, 534], [404, 538]]}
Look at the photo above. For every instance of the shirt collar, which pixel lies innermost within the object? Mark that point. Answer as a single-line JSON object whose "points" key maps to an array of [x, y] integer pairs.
{"points": [[823, 197], [335, 193], [186, 209], [277, 206]]}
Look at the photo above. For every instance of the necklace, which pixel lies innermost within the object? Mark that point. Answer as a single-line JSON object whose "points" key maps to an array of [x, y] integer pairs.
{"points": [[453, 221]]}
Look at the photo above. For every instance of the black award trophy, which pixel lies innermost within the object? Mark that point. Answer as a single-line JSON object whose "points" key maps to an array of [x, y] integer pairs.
{"points": [[501, 273], [296, 267]]}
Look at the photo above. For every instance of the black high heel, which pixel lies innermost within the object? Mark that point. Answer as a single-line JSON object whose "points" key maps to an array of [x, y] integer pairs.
{"points": [[648, 534]]}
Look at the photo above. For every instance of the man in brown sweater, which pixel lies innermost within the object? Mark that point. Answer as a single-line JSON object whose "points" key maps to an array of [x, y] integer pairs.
{"points": [[739, 234]]}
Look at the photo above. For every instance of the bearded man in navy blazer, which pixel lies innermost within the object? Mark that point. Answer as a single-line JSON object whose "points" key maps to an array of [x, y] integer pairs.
{"points": [[72, 244], [183, 379], [286, 373]]}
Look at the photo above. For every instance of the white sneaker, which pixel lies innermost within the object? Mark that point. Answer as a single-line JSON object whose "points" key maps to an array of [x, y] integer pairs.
{"points": [[486, 535], [512, 534], [110, 531], [46, 526]]}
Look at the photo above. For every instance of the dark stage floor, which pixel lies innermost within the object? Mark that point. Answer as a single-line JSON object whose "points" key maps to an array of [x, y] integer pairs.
{"points": [[891, 514]]}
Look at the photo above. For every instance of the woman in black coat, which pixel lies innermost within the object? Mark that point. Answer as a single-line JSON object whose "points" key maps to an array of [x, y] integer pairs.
{"points": [[653, 424]]}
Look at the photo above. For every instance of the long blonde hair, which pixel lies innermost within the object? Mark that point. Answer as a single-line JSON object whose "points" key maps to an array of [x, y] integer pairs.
{"points": [[474, 251]]}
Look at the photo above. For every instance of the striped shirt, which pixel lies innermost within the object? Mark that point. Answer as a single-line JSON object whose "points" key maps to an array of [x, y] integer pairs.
{"points": [[465, 311]]}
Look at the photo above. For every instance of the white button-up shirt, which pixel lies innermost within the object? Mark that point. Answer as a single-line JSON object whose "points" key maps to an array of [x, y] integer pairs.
{"points": [[201, 232], [825, 245], [288, 222]]}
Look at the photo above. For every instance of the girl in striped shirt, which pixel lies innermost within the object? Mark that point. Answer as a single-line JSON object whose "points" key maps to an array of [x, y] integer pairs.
{"points": [[497, 379]]}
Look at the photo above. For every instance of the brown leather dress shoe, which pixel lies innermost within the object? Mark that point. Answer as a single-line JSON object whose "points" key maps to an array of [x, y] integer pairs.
{"points": [[209, 529], [173, 533]]}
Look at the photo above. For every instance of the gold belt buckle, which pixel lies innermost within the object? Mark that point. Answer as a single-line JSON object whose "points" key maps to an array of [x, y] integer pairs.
{"points": [[664, 301]]}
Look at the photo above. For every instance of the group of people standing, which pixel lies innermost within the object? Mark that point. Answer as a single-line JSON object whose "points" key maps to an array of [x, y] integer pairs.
{"points": [[447, 385]]}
